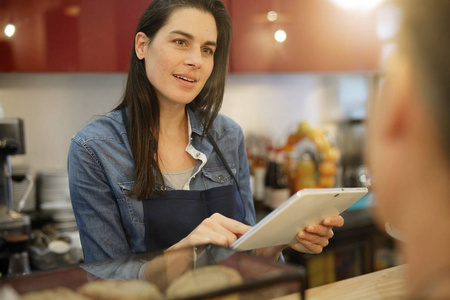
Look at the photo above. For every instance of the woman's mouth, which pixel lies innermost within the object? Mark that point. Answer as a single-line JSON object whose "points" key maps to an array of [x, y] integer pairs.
{"points": [[185, 78]]}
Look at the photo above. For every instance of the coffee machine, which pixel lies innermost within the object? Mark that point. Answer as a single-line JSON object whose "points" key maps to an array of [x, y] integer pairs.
{"points": [[14, 226]]}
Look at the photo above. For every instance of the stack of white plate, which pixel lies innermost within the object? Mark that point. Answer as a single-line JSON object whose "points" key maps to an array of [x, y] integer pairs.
{"points": [[54, 199]]}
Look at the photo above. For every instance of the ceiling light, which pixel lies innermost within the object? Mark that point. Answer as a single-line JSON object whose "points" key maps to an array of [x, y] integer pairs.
{"points": [[9, 30], [362, 5], [280, 36], [272, 16]]}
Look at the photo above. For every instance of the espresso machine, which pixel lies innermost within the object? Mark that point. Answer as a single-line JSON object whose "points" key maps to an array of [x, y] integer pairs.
{"points": [[14, 226]]}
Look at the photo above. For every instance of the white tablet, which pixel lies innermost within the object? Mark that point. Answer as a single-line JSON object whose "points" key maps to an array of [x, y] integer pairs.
{"points": [[306, 207]]}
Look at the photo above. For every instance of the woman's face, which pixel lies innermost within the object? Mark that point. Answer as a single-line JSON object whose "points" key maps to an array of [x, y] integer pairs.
{"points": [[180, 57]]}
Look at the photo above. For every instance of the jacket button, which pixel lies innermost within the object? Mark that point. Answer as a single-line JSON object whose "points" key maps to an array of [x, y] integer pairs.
{"points": [[197, 155], [220, 177]]}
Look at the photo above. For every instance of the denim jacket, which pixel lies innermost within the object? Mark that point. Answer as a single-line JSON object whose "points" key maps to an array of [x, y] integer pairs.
{"points": [[101, 172]]}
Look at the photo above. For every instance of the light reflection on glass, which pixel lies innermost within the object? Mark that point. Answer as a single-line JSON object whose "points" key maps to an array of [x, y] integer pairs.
{"points": [[72, 10]]}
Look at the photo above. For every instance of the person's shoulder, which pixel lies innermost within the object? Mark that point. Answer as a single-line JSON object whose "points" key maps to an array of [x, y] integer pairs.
{"points": [[109, 126], [224, 124]]}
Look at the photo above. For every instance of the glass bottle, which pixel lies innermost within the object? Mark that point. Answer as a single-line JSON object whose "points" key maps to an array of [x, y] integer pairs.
{"points": [[19, 263], [259, 175], [280, 190], [271, 178], [306, 172]]}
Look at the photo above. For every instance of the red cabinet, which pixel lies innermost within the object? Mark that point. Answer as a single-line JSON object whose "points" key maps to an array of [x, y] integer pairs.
{"points": [[68, 35], [97, 36], [319, 37]]}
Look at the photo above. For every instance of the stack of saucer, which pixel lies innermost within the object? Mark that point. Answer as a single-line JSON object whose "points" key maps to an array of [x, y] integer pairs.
{"points": [[54, 199]]}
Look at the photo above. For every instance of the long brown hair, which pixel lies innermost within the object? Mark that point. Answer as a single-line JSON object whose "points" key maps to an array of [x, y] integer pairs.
{"points": [[140, 98]]}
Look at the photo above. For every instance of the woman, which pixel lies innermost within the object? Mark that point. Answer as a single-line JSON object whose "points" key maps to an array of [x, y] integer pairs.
{"points": [[164, 169]]}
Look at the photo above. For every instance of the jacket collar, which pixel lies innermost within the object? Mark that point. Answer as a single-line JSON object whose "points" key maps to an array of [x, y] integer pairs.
{"points": [[196, 126]]}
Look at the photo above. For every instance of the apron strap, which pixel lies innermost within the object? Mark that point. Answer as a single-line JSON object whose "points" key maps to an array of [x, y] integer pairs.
{"points": [[213, 142]]}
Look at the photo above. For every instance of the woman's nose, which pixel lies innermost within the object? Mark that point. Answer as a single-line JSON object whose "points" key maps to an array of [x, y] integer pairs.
{"points": [[195, 59]]}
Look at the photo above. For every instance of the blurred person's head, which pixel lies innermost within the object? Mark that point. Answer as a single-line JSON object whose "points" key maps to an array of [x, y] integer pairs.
{"points": [[409, 134]]}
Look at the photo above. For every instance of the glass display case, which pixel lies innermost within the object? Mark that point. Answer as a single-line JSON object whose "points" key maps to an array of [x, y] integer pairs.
{"points": [[202, 272]]}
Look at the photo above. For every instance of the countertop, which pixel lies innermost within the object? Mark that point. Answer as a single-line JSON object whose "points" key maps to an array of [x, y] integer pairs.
{"points": [[385, 284]]}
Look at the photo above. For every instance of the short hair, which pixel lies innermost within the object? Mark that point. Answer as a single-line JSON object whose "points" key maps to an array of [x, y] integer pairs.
{"points": [[424, 37]]}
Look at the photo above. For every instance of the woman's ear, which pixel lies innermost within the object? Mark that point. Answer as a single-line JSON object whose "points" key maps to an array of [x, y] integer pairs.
{"points": [[140, 42]]}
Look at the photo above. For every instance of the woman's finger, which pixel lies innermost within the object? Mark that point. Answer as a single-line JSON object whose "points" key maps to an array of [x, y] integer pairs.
{"points": [[336, 221], [232, 225], [225, 236], [209, 237], [312, 238], [307, 247], [321, 230], [218, 230]]}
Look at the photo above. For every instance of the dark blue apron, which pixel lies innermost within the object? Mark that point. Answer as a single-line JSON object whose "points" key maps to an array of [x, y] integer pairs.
{"points": [[173, 215]]}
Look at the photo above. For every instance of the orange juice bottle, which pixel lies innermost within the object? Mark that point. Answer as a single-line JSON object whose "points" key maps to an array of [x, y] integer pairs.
{"points": [[306, 172]]}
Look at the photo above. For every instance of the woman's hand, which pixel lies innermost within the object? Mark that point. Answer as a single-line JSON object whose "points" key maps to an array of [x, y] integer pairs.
{"points": [[315, 237], [310, 240], [217, 229]]}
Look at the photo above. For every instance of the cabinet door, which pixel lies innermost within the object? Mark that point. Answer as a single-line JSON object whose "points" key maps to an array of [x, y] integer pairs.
{"points": [[68, 35], [319, 37]]}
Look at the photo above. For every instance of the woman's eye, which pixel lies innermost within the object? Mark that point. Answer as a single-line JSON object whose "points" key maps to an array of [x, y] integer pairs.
{"points": [[208, 51], [180, 42]]}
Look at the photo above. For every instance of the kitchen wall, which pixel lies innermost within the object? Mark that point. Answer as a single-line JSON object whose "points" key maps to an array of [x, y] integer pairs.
{"points": [[54, 106]]}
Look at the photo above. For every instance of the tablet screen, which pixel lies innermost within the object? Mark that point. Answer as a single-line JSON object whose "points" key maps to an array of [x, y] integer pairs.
{"points": [[306, 207]]}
